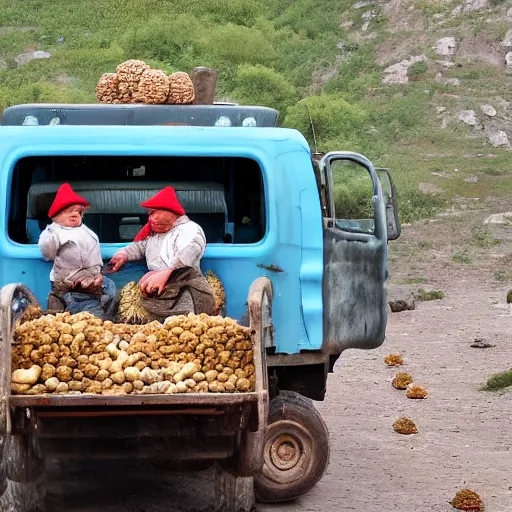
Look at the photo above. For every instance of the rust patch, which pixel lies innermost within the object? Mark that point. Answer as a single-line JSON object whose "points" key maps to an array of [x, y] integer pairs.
{"points": [[272, 268]]}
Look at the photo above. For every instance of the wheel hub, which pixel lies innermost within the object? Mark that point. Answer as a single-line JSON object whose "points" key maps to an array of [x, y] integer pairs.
{"points": [[288, 451], [285, 451]]}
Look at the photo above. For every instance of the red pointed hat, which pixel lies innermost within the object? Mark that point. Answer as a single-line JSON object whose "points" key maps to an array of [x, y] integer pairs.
{"points": [[65, 197], [166, 199]]}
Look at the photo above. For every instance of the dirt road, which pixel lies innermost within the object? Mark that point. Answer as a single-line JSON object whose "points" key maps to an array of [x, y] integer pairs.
{"points": [[464, 434]]}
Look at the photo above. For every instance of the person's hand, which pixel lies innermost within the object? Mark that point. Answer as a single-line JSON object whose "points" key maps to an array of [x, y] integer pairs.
{"points": [[144, 279], [98, 282], [90, 284], [118, 260], [153, 283]]}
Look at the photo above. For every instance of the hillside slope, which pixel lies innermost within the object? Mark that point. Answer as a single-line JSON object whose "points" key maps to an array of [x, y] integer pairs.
{"points": [[420, 86]]}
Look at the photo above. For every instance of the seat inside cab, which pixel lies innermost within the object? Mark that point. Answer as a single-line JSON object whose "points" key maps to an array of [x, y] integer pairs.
{"points": [[115, 215]]}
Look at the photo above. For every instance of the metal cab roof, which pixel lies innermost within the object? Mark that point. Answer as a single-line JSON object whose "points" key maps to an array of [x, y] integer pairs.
{"points": [[139, 115]]}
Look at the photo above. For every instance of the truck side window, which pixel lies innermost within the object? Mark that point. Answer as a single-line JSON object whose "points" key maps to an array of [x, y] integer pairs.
{"points": [[352, 193]]}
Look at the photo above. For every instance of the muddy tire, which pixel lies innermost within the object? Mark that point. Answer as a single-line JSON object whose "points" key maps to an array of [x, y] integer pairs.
{"points": [[296, 451], [232, 493], [25, 477], [3, 478]]}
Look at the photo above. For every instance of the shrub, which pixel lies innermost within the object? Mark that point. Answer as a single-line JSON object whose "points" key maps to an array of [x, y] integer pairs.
{"points": [[498, 381], [332, 117], [403, 116], [461, 257], [259, 85], [239, 45], [417, 69], [356, 74], [484, 238], [39, 92], [240, 12], [430, 294], [174, 40]]}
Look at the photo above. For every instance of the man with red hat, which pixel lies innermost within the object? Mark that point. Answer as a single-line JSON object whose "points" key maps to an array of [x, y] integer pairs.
{"points": [[77, 282], [172, 246]]}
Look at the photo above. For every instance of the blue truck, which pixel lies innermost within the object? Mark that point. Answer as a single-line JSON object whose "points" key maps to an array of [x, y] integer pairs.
{"points": [[309, 280]]}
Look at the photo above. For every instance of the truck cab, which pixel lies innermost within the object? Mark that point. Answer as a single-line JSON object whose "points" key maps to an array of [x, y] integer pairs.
{"points": [[269, 207]]}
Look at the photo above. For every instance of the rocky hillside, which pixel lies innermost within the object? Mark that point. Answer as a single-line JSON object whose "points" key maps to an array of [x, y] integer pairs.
{"points": [[420, 86], [462, 46]]}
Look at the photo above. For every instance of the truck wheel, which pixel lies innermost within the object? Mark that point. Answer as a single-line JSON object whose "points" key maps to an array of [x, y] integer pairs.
{"points": [[296, 450], [24, 468], [232, 493], [3, 478]]}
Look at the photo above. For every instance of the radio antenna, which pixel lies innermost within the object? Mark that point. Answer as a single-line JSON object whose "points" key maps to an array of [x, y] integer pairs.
{"points": [[312, 127]]}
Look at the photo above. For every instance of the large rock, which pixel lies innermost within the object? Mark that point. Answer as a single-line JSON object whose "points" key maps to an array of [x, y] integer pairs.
{"points": [[397, 73], [25, 57], [367, 17], [499, 218], [401, 298], [361, 4], [499, 139], [452, 81], [445, 46], [447, 81], [445, 63], [489, 110], [468, 117], [471, 6], [502, 104], [508, 62], [507, 42]]}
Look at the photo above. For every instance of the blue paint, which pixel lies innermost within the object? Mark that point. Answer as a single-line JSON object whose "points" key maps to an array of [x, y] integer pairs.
{"points": [[293, 240]]}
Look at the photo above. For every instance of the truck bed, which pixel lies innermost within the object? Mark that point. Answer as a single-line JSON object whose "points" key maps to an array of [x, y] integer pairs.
{"points": [[179, 426]]}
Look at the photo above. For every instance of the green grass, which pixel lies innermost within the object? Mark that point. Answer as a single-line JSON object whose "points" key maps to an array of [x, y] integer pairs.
{"points": [[498, 381], [484, 239], [426, 244], [417, 70], [414, 280], [426, 295], [502, 274], [462, 257]]}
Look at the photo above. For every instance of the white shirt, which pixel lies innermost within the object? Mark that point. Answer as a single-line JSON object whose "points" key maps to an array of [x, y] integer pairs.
{"points": [[182, 246], [72, 250]]}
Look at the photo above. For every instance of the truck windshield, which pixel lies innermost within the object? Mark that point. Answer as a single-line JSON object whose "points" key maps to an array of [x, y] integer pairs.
{"points": [[224, 195]]}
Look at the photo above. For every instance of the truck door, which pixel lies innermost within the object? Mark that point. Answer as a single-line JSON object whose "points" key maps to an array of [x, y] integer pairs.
{"points": [[355, 251]]}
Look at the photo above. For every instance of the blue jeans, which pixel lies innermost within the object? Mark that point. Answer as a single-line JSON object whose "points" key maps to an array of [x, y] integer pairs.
{"points": [[101, 306]]}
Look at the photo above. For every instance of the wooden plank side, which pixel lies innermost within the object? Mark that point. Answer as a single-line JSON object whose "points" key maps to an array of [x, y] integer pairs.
{"points": [[192, 399], [250, 453], [6, 294]]}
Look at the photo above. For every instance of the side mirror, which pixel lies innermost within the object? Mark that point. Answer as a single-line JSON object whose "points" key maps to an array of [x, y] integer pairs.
{"points": [[389, 192]]}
